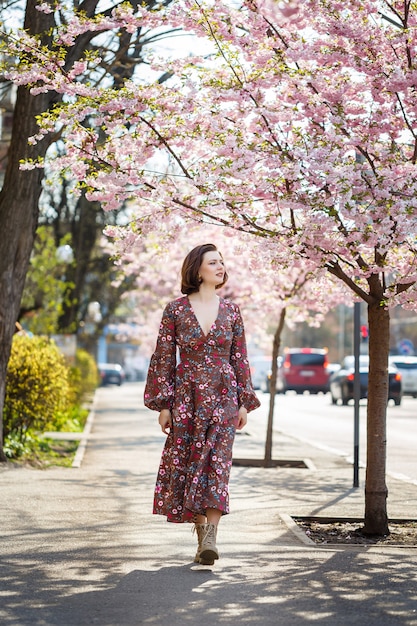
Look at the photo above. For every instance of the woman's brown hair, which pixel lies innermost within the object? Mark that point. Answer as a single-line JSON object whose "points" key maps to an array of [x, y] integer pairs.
{"points": [[190, 282]]}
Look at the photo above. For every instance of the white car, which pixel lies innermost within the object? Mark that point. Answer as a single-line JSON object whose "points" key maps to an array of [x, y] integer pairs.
{"points": [[260, 366], [407, 366]]}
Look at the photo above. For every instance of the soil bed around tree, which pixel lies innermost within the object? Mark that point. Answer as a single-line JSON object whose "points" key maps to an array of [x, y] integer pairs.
{"points": [[323, 531]]}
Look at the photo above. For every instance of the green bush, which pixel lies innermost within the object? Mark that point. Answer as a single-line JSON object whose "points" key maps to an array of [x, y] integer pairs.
{"points": [[37, 387], [84, 376], [72, 420]]}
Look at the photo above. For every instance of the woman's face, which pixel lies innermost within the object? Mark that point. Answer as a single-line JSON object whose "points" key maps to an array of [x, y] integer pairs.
{"points": [[212, 268]]}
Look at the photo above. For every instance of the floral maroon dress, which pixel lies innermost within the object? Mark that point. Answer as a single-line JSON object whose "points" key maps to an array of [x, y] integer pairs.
{"points": [[203, 391]]}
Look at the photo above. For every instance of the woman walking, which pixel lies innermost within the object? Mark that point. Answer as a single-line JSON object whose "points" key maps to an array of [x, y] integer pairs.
{"points": [[202, 400]]}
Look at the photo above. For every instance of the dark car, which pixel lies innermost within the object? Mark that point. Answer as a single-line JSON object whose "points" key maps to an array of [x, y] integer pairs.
{"points": [[111, 373], [304, 369], [341, 382]]}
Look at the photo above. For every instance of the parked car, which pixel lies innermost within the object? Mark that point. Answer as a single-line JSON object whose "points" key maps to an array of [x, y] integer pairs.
{"points": [[341, 382], [407, 366], [266, 383], [304, 369], [260, 365], [331, 369], [111, 373]]}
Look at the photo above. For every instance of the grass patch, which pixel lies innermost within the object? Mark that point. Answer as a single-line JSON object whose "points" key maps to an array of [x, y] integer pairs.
{"points": [[54, 452], [46, 452], [42, 449]]}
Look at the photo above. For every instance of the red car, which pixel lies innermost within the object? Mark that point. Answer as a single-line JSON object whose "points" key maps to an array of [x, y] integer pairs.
{"points": [[304, 369]]}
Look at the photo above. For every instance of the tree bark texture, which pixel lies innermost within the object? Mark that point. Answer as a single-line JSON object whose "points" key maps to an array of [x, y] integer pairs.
{"points": [[376, 492]]}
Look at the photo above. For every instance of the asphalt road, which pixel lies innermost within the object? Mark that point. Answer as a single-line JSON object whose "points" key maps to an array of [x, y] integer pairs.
{"points": [[313, 418]]}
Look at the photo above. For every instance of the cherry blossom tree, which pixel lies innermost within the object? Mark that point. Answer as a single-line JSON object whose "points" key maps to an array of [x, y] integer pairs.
{"points": [[257, 283], [299, 128], [116, 53], [267, 292]]}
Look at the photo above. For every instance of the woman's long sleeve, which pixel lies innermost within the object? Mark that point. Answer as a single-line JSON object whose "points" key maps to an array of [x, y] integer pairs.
{"points": [[239, 361], [160, 382]]}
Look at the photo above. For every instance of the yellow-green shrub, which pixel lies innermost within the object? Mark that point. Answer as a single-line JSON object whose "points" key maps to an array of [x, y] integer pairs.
{"points": [[84, 376], [37, 386]]}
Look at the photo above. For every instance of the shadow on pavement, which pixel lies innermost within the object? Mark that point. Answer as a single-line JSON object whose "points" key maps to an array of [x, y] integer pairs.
{"points": [[81, 547], [335, 588]]}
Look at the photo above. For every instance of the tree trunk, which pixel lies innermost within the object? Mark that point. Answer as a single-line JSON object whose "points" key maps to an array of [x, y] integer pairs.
{"points": [[272, 388], [85, 229], [19, 199], [376, 492]]}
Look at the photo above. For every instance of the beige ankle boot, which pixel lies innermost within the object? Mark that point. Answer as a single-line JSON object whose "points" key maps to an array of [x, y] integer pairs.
{"points": [[208, 549], [200, 529]]}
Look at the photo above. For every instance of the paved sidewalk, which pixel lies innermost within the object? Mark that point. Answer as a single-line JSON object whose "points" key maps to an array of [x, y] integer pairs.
{"points": [[80, 546]]}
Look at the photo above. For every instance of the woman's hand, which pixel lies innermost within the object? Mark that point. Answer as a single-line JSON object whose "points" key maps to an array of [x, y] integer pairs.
{"points": [[165, 420], [242, 418]]}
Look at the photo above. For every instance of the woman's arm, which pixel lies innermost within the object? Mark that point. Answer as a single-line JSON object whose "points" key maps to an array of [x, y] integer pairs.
{"points": [[160, 381]]}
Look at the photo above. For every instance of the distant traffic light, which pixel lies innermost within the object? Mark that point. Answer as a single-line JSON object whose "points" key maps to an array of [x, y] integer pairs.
{"points": [[364, 332]]}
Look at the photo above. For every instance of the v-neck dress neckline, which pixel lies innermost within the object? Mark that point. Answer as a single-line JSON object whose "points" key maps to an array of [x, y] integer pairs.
{"points": [[205, 335]]}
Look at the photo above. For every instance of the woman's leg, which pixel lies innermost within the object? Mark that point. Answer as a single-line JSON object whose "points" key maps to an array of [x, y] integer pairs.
{"points": [[213, 516]]}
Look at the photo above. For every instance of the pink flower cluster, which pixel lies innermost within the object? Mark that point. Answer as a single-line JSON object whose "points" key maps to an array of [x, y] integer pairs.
{"points": [[300, 128]]}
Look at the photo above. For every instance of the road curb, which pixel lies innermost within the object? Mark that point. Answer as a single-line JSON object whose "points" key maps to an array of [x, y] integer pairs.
{"points": [[296, 530], [292, 525], [79, 455]]}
